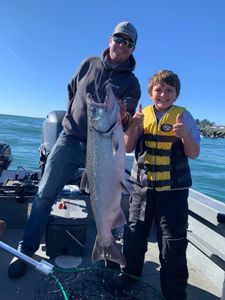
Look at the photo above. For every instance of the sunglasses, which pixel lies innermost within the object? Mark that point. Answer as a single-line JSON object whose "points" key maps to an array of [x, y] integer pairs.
{"points": [[122, 40]]}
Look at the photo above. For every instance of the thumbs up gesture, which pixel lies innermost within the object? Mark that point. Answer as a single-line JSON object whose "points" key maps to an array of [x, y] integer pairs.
{"points": [[179, 129], [138, 117], [140, 108], [178, 119]]}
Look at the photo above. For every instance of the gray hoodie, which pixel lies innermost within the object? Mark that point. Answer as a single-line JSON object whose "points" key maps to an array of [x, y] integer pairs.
{"points": [[92, 77]]}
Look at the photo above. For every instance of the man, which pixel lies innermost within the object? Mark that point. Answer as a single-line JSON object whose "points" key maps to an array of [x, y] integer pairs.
{"points": [[115, 65]]}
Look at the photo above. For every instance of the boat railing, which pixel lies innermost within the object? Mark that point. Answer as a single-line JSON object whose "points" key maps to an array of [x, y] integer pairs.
{"points": [[207, 227]]}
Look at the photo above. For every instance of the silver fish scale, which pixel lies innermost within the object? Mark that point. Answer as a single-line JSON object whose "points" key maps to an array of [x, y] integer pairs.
{"points": [[105, 167]]}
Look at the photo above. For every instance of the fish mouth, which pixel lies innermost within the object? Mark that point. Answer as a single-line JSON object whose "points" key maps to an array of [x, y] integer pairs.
{"points": [[107, 130]]}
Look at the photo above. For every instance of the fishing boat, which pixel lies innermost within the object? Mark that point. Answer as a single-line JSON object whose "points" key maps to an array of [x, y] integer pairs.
{"points": [[71, 232]]}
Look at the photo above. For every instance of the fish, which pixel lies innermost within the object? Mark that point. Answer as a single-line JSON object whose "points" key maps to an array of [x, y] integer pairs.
{"points": [[105, 172]]}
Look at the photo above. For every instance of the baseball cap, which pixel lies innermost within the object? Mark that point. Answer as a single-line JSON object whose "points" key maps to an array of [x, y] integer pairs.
{"points": [[126, 28]]}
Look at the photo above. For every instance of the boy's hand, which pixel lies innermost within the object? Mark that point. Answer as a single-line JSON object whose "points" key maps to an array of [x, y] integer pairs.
{"points": [[138, 117], [179, 129], [140, 109]]}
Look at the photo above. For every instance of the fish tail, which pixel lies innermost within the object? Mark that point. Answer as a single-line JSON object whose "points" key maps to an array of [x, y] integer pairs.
{"points": [[111, 252], [119, 219]]}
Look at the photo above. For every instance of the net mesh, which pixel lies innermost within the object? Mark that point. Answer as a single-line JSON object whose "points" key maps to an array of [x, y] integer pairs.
{"points": [[91, 284]]}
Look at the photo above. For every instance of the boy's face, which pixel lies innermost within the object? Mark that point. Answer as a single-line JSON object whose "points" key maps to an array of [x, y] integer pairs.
{"points": [[163, 96]]}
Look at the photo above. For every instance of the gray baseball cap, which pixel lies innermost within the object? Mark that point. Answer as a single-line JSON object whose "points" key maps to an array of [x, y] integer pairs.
{"points": [[126, 28]]}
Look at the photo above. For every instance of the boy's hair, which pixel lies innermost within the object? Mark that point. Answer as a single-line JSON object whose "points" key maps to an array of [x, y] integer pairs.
{"points": [[167, 77]]}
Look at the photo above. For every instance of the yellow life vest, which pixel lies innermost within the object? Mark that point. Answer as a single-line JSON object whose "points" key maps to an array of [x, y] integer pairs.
{"points": [[164, 164]]}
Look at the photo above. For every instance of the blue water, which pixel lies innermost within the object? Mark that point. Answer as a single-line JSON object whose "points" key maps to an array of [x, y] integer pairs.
{"points": [[23, 134], [208, 170]]}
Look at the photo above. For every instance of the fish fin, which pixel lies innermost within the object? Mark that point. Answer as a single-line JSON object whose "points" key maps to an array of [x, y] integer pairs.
{"points": [[127, 186], [119, 219], [115, 145], [84, 186], [111, 252]]}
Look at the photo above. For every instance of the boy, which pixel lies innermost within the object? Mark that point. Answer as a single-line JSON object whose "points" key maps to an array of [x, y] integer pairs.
{"points": [[161, 178]]}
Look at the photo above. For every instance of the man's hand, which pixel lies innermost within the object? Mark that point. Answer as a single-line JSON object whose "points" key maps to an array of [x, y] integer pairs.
{"points": [[123, 110]]}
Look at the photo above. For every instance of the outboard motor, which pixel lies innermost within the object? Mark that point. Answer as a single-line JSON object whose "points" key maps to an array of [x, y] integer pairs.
{"points": [[5, 156], [52, 126]]}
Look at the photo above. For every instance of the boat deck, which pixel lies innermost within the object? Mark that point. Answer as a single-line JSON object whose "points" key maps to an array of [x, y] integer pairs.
{"points": [[200, 286]]}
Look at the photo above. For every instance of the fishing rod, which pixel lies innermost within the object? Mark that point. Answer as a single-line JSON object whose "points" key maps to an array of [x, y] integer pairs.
{"points": [[42, 266]]}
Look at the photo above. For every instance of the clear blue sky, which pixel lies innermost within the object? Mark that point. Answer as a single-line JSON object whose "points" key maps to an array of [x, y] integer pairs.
{"points": [[42, 42]]}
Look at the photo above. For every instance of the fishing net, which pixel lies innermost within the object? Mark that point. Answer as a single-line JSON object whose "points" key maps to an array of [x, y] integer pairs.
{"points": [[91, 284]]}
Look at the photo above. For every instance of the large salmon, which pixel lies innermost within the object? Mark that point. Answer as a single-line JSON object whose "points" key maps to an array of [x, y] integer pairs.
{"points": [[105, 167]]}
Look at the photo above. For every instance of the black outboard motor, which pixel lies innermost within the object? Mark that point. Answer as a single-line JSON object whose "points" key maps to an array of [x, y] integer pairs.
{"points": [[52, 126], [5, 156]]}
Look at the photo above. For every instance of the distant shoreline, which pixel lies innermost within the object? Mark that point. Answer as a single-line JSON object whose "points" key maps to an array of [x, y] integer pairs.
{"points": [[212, 132]]}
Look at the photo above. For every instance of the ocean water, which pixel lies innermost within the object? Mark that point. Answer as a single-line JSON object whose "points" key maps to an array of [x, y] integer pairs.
{"points": [[23, 134]]}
